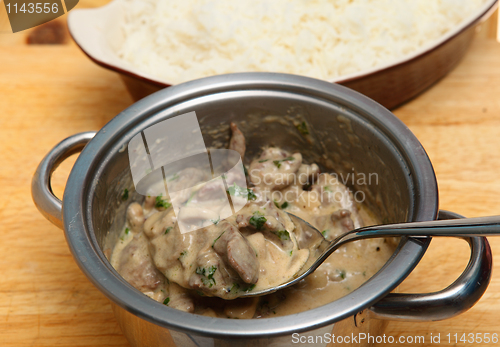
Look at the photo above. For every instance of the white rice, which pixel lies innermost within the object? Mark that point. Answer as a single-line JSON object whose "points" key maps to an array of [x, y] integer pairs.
{"points": [[180, 40]]}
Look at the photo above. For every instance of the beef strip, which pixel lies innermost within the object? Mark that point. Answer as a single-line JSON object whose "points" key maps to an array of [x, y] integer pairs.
{"points": [[234, 248], [136, 266], [237, 141], [342, 219], [266, 217], [211, 275]]}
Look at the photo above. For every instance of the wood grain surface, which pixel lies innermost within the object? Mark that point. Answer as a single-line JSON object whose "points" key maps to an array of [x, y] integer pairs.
{"points": [[48, 92]]}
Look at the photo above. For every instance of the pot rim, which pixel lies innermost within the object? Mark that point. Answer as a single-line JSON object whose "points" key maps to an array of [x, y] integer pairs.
{"points": [[89, 257]]}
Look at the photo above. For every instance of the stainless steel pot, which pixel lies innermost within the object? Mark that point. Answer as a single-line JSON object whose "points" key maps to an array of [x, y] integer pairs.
{"points": [[348, 132]]}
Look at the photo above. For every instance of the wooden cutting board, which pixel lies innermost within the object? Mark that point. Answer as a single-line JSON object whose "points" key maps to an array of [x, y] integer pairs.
{"points": [[50, 92]]}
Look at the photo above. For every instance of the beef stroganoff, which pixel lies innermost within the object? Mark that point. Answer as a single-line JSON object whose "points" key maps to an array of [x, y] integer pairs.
{"points": [[204, 271]]}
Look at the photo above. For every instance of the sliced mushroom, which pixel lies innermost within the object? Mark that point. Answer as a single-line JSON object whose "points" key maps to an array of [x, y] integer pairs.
{"points": [[135, 217], [275, 169], [307, 173]]}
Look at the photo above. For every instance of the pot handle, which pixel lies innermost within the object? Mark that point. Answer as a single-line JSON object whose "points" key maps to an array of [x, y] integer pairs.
{"points": [[457, 298], [41, 191]]}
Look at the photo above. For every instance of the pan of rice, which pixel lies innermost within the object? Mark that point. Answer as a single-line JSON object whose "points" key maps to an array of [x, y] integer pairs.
{"points": [[389, 50]]}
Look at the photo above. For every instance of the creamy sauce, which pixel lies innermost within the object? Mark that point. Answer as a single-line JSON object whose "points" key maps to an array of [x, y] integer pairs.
{"points": [[255, 248]]}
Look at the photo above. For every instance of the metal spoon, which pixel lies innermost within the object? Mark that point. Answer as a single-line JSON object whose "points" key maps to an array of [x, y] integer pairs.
{"points": [[310, 237]]}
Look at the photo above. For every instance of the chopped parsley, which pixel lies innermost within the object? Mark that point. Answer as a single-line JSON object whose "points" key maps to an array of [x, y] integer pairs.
{"points": [[251, 195], [127, 230], [190, 198], [283, 235], [207, 275], [183, 253], [166, 301], [237, 191], [217, 239], [302, 128], [283, 205], [278, 162], [215, 221], [125, 194], [327, 189], [168, 230], [342, 273], [249, 288], [324, 232], [291, 252], [234, 286], [160, 203], [263, 160], [237, 287], [257, 220], [174, 177]]}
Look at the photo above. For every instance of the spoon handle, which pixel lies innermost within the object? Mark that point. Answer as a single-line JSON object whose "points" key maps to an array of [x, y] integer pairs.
{"points": [[465, 227]]}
